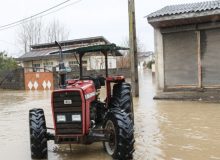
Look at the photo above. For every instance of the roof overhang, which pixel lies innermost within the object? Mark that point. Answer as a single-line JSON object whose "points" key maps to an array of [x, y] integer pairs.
{"points": [[185, 19], [42, 51], [38, 58], [97, 39], [52, 53]]}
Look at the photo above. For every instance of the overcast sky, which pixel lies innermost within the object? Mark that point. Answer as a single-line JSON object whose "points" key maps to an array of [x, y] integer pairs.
{"points": [[108, 18]]}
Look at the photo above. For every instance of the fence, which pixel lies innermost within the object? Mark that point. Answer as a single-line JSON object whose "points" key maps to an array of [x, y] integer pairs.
{"points": [[42, 79], [12, 79]]}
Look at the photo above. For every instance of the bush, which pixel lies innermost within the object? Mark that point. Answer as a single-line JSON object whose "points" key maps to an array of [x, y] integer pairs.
{"points": [[6, 63], [149, 64]]}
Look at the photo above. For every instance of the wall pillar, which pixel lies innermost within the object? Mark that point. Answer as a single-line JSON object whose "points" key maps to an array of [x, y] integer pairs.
{"points": [[198, 38], [159, 57]]}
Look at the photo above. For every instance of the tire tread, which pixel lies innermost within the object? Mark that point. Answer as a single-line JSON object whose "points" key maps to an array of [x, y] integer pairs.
{"points": [[38, 131], [124, 133]]}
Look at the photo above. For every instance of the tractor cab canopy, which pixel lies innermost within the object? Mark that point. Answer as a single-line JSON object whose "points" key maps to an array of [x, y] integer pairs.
{"points": [[105, 49]]}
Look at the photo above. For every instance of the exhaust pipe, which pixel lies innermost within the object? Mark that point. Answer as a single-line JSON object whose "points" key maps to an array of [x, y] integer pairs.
{"points": [[62, 68]]}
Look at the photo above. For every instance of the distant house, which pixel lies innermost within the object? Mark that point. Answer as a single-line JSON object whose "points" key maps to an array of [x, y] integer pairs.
{"points": [[145, 57], [187, 46], [39, 59]]}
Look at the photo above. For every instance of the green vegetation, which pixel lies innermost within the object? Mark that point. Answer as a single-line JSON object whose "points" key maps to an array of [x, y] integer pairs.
{"points": [[6, 63], [149, 64]]}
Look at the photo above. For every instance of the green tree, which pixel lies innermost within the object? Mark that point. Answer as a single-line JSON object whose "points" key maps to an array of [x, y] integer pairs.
{"points": [[149, 64], [6, 63]]}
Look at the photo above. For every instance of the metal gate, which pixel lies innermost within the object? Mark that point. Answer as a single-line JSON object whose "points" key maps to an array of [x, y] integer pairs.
{"points": [[181, 59], [210, 58], [39, 81]]}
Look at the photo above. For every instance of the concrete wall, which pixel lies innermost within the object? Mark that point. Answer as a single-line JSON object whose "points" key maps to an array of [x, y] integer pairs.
{"points": [[159, 58], [98, 62], [13, 79], [16, 79]]}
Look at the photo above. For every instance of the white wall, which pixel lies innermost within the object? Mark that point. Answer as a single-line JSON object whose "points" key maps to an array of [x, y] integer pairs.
{"points": [[159, 59], [98, 62]]}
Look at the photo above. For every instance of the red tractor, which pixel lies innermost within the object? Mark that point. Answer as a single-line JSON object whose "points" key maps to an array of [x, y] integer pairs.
{"points": [[80, 117]]}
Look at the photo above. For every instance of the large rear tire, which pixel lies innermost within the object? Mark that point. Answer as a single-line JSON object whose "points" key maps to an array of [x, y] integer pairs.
{"points": [[38, 134], [120, 127], [122, 98]]}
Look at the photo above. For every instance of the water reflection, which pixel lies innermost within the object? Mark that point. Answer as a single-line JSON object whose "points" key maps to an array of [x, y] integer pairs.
{"points": [[163, 129]]}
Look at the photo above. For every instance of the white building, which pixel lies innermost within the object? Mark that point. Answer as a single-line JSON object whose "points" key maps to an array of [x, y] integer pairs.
{"points": [[40, 59]]}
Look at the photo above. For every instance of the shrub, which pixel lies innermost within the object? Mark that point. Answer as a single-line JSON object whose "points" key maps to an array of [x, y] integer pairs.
{"points": [[149, 64], [6, 63]]}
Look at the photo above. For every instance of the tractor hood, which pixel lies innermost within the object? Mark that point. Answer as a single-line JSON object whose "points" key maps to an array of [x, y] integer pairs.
{"points": [[87, 86]]}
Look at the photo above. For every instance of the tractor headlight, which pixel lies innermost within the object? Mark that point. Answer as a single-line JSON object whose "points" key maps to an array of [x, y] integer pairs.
{"points": [[76, 117], [61, 118]]}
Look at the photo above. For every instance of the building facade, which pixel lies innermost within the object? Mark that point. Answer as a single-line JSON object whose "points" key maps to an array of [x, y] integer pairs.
{"points": [[40, 59], [187, 46]]}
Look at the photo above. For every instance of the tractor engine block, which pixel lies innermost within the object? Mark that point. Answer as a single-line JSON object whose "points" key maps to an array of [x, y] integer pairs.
{"points": [[68, 114]]}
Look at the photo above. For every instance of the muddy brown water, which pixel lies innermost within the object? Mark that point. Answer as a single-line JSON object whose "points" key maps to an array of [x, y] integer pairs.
{"points": [[164, 130]]}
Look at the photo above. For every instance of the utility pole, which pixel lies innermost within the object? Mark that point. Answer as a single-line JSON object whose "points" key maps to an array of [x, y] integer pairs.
{"points": [[133, 49]]}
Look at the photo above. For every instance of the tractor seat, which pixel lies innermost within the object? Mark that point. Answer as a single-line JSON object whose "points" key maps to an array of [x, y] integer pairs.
{"points": [[98, 81]]}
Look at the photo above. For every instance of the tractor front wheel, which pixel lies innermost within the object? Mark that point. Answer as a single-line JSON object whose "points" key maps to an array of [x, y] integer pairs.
{"points": [[38, 134], [119, 126]]}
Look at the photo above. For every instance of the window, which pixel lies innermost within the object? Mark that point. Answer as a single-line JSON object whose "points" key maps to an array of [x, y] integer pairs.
{"points": [[36, 67], [84, 62], [48, 64], [71, 63], [75, 63]]}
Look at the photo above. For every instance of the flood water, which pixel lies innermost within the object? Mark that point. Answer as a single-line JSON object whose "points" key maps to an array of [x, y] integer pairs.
{"points": [[164, 130]]}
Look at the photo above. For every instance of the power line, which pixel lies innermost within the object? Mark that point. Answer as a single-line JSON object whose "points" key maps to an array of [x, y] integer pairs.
{"points": [[38, 15], [34, 15], [59, 9]]}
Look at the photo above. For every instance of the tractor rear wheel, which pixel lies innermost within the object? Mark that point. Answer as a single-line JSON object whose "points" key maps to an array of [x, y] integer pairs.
{"points": [[122, 98], [38, 134], [119, 126]]}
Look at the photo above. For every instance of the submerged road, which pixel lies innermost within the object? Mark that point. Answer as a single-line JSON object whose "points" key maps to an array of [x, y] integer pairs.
{"points": [[164, 130]]}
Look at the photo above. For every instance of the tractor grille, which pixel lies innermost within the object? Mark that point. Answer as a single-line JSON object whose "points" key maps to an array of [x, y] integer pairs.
{"points": [[67, 109]]}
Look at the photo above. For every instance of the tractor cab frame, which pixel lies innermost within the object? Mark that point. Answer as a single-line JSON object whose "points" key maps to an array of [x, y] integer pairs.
{"points": [[105, 50]]}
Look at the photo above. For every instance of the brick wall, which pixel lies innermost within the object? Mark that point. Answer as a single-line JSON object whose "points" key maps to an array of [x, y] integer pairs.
{"points": [[39, 81], [15, 79]]}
